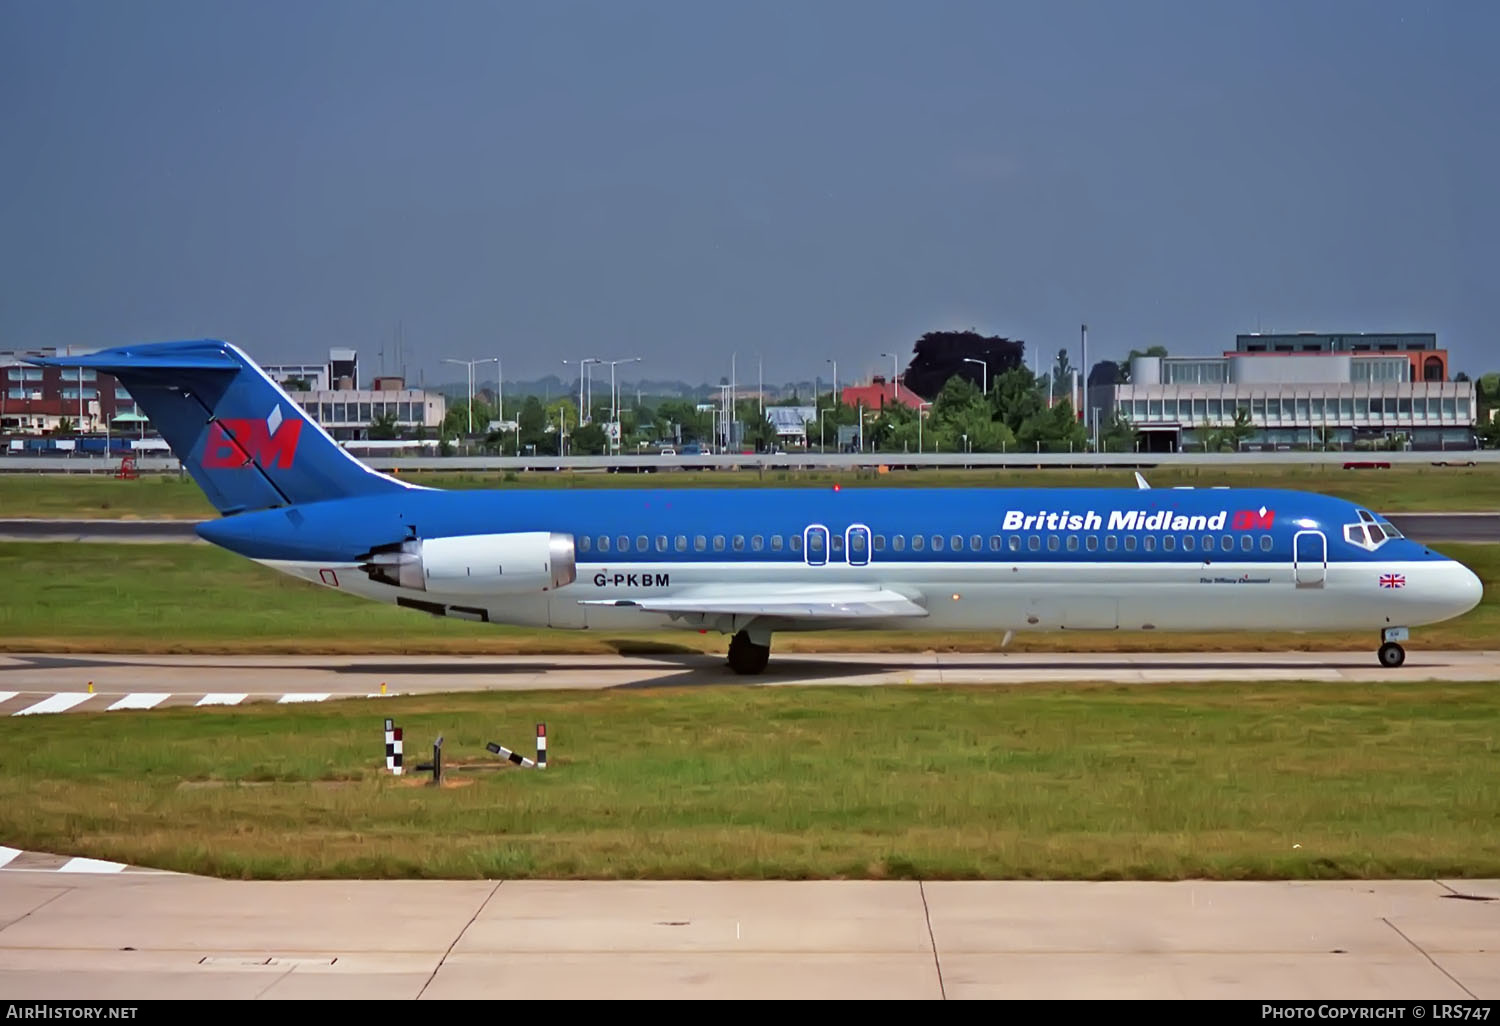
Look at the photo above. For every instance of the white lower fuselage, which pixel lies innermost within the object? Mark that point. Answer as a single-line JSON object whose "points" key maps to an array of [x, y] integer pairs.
{"points": [[1190, 595]]}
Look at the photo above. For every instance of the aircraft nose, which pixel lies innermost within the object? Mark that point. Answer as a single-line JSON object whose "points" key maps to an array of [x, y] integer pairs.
{"points": [[1465, 588]]}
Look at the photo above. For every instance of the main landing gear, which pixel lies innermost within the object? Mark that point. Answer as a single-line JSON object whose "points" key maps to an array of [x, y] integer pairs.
{"points": [[1391, 654], [745, 656]]}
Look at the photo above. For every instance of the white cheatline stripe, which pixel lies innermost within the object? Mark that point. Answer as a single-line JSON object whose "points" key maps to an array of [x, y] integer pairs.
{"points": [[218, 699], [300, 698], [141, 700], [6, 854], [6, 696], [57, 703], [83, 865]]}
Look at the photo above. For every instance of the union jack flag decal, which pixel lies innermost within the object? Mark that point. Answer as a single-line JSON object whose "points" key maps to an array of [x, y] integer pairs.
{"points": [[1392, 581]]}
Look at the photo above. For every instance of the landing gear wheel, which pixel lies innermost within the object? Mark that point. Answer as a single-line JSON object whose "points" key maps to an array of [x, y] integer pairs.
{"points": [[745, 656], [1392, 654]]}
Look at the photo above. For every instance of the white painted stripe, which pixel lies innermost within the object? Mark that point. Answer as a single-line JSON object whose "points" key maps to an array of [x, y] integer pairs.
{"points": [[220, 700], [6, 696], [284, 699], [141, 700], [57, 703], [7, 854], [83, 865]]}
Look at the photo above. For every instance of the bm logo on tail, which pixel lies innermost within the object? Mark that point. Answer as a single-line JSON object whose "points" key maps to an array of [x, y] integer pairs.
{"points": [[234, 442]]}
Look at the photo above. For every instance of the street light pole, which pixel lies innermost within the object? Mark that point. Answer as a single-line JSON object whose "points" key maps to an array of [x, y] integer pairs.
{"points": [[614, 406], [986, 366], [895, 381]]}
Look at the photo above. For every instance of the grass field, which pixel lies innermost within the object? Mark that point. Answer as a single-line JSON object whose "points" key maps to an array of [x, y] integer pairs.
{"points": [[1085, 782], [1399, 489], [171, 598]]}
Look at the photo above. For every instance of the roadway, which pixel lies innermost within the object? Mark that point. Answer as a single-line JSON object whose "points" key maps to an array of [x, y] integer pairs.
{"points": [[89, 931], [1426, 527]]}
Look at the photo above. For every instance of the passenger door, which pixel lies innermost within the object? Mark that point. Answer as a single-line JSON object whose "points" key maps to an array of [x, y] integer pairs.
{"points": [[1309, 559]]}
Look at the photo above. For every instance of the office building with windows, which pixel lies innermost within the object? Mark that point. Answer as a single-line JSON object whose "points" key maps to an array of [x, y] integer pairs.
{"points": [[1330, 392], [348, 414], [43, 400]]}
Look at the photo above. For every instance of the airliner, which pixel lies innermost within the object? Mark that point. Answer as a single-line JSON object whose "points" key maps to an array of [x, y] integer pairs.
{"points": [[748, 563]]}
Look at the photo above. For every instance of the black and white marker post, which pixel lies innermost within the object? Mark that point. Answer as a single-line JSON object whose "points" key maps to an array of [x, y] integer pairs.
{"points": [[541, 746], [392, 748]]}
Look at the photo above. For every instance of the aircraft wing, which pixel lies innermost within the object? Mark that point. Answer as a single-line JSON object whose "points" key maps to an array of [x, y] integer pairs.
{"points": [[828, 603]]}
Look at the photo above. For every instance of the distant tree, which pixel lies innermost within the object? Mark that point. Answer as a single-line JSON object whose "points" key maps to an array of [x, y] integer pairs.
{"points": [[1117, 434], [940, 355], [296, 385], [1062, 375]]}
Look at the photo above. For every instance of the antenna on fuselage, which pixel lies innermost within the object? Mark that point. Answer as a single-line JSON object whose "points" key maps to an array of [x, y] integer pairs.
{"points": [[1140, 482]]}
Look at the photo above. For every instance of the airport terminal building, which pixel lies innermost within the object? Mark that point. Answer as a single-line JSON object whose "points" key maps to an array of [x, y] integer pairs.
{"points": [[1299, 391]]}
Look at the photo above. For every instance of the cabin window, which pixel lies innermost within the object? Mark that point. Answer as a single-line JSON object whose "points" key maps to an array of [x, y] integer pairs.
{"points": [[1110, 542], [1168, 543], [718, 543], [699, 542], [680, 543], [898, 542], [604, 543], [775, 543], [1092, 543], [642, 543], [757, 543], [622, 544], [585, 543], [1053, 542], [661, 543], [1188, 543], [918, 543], [1246, 543], [838, 543], [739, 543], [1130, 543], [1265, 543], [1033, 543], [1072, 543], [975, 542], [995, 545], [880, 543], [1015, 543], [796, 543], [937, 543], [1226, 543], [1148, 543]]}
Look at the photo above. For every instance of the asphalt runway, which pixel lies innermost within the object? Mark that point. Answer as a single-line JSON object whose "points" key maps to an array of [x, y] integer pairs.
{"points": [[1425, 527], [42, 683], [101, 931]]}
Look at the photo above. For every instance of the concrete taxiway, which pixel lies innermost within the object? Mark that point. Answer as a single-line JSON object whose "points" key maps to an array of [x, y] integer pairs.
{"points": [[44, 683], [136, 936]]}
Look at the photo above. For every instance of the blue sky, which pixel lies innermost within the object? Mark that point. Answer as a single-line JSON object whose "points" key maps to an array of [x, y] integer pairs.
{"points": [[788, 181]]}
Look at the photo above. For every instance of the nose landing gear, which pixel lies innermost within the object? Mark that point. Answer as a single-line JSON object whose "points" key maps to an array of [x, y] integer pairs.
{"points": [[1392, 654]]}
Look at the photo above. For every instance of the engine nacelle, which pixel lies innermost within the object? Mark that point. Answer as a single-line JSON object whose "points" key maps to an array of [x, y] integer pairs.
{"points": [[480, 564]]}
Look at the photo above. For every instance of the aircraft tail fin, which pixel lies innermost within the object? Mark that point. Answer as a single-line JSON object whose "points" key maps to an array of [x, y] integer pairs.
{"points": [[240, 436]]}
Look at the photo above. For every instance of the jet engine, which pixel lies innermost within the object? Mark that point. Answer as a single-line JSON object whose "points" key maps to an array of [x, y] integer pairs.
{"points": [[479, 564]]}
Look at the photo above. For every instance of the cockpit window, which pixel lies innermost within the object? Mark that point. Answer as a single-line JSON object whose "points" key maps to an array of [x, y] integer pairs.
{"points": [[1370, 532]]}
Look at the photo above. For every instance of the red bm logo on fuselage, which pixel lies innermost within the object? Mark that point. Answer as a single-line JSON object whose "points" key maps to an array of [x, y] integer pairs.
{"points": [[1253, 520], [236, 442]]}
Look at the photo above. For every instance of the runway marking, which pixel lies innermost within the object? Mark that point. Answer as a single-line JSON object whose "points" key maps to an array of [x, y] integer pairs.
{"points": [[285, 699], [6, 854], [141, 700], [218, 699], [6, 696], [57, 703], [83, 865]]}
